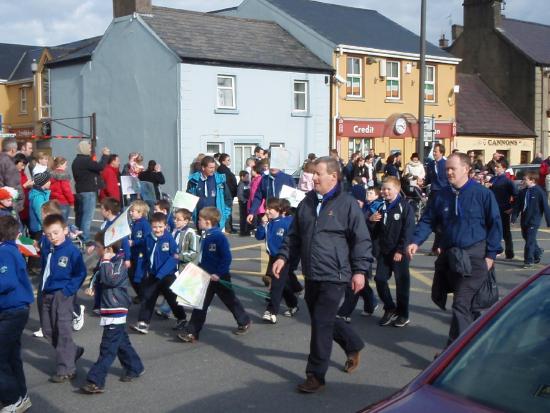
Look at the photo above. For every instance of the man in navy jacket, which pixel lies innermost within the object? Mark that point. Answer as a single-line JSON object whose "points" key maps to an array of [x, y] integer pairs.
{"points": [[270, 187], [470, 241]]}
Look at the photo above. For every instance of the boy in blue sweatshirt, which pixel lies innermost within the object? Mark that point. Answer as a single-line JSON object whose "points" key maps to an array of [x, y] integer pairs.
{"points": [[140, 230], [216, 260], [161, 264], [113, 276], [63, 272], [532, 205], [274, 229], [15, 298], [162, 205]]}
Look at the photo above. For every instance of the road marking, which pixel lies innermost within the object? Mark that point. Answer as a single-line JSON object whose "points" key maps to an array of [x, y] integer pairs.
{"points": [[420, 277], [247, 247]]}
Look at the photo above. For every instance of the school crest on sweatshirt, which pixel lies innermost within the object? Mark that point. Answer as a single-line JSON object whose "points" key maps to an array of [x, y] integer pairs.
{"points": [[63, 261], [212, 247], [165, 247]]}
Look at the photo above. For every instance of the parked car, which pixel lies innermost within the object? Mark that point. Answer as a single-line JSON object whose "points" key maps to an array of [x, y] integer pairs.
{"points": [[521, 170], [500, 364]]}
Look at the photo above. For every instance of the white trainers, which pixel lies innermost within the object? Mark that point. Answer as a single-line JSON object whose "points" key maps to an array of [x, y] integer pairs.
{"points": [[38, 333], [291, 311], [269, 317], [23, 405], [78, 321], [12, 408], [141, 327]]}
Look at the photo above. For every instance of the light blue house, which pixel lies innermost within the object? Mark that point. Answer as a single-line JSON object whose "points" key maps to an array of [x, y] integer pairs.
{"points": [[171, 84]]}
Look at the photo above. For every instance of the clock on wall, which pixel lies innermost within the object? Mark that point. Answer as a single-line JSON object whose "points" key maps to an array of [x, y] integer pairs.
{"points": [[400, 126]]}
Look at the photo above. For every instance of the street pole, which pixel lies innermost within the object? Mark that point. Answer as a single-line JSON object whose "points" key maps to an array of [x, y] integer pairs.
{"points": [[422, 69], [93, 133]]}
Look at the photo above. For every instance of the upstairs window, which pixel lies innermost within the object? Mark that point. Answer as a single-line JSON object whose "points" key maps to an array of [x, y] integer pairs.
{"points": [[392, 80], [354, 77], [300, 96], [226, 92], [429, 84]]}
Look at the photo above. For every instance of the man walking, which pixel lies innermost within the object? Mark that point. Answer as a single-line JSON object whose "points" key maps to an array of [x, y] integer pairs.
{"points": [[225, 162], [470, 241], [330, 235], [436, 177]]}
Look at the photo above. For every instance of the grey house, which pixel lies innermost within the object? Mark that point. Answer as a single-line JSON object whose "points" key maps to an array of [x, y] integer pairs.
{"points": [[172, 83]]}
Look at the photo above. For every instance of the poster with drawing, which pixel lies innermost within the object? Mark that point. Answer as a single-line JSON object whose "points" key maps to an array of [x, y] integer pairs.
{"points": [[185, 200], [280, 158], [129, 185], [293, 195], [190, 286], [119, 229]]}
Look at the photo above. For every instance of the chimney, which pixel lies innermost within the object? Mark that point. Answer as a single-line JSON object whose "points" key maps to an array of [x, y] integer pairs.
{"points": [[128, 7], [482, 14], [443, 42], [456, 31]]}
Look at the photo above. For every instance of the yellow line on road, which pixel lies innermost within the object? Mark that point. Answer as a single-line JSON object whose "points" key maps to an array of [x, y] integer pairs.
{"points": [[420, 277], [247, 247]]}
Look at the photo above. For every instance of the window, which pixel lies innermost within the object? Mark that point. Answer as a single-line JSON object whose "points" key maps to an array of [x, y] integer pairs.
{"points": [[429, 84], [354, 77], [214, 147], [300, 96], [361, 145], [226, 92], [392, 80], [23, 100], [243, 151]]}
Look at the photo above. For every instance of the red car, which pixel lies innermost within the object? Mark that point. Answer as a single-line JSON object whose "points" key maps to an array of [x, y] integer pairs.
{"points": [[500, 364]]}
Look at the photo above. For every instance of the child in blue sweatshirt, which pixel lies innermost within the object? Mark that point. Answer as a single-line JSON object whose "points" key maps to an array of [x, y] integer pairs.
{"points": [[164, 206], [274, 229], [115, 301], [161, 264], [15, 298], [140, 230], [63, 272], [216, 260]]}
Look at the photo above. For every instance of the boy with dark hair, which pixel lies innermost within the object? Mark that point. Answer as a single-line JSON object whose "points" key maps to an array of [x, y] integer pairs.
{"points": [[63, 271], [162, 205], [16, 297], [115, 301], [216, 260], [161, 261]]}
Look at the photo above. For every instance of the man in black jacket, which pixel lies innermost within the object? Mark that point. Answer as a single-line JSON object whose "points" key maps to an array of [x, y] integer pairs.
{"points": [[330, 235], [225, 161], [86, 177]]}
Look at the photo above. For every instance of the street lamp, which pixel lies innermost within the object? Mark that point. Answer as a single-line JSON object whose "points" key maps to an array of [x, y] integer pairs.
{"points": [[422, 80], [34, 66]]}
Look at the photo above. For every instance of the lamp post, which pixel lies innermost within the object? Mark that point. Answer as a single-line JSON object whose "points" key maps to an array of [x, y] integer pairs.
{"points": [[422, 69], [34, 69]]}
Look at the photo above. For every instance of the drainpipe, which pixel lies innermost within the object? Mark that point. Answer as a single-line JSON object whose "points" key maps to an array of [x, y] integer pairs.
{"points": [[545, 74], [337, 100]]}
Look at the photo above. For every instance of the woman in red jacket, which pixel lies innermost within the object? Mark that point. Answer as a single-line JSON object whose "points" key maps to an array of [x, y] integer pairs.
{"points": [[61, 186], [111, 178]]}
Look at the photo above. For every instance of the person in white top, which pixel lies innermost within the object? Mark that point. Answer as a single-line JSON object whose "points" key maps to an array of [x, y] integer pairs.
{"points": [[415, 171]]}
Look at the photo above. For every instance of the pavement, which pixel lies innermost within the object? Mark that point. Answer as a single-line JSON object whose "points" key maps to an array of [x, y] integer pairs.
{"points": [[259, 371]]}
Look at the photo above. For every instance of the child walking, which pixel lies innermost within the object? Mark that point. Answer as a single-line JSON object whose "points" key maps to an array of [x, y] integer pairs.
{"points": [[273, 229], [16, 297], [161, 260], [63, 271], [392, 231], [140, 231], [216, 260], [113, 276], [243, 194]]}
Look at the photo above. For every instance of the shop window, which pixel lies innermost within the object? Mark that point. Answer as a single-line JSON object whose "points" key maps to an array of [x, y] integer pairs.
{"points": [[361, 145], [23, 100], [226, 92], [300, 96], [525, 157], [429, 84], [214, 147], [354, 77], [392, 80]]}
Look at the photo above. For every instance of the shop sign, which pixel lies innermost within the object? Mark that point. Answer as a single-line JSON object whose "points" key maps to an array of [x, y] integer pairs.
{"points": [[379, 128], [22, 132], [502, 142]]}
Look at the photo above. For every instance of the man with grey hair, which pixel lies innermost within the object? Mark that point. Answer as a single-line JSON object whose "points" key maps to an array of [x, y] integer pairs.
{"points": [[330, 235], [9, 175]]}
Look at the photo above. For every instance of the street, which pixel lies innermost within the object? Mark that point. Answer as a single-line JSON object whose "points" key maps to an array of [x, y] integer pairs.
{"points": [[259, 371]]}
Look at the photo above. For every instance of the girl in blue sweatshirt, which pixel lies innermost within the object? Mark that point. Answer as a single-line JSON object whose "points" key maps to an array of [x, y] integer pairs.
{"points": [[274, 229], [15, 298]]}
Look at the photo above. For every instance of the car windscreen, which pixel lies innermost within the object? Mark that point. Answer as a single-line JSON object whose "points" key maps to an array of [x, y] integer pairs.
{"points": [[507, 364]]}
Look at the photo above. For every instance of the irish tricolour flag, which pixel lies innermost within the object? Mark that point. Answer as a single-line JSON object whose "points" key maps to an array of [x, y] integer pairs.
{"points": [[26, 247]]}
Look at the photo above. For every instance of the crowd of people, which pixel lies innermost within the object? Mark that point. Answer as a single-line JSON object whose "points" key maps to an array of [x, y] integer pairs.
{"points": [[353, 215]]}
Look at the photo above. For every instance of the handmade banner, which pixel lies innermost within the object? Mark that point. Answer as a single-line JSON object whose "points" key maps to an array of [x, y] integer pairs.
{"points": [[293, 195], [129, 185], [119, 229], [190, 286], [185, 200], [26, 247], [280, 158]]}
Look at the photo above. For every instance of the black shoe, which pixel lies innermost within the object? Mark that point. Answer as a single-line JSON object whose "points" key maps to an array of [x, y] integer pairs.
{"points": [[537, 259], [62, 378], [400, 321], [387, 318], [510, 256], [91, 388], [242, 330], [180, 325]]}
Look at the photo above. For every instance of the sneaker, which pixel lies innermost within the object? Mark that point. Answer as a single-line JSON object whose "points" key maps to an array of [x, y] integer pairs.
{"points": [[12, 408], [180, 325], [401, 321], [291, 312], [23, 404], [367, 314], [141, 327], [346, 319], [352, 362], [62, 378], [387, 318], [91, 388], [527, 266], [38, 333], [187, 337], [162, 314], [78, 320], [311, 385], [242, 330], [129, 377], [269, 317]]}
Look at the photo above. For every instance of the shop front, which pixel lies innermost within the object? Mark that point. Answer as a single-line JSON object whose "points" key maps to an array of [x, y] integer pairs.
{"points": [[517, 150], [398, 133]]}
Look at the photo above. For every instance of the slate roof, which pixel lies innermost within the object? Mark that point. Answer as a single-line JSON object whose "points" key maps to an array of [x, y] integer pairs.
{"points": [[480, 112], [355, 26], [195, 36], [10, 55], [75, 51], [23, 69], [533, 39]]}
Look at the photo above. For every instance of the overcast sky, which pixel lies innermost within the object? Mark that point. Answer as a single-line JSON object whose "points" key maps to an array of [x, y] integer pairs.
{"points": [[53, 22]]}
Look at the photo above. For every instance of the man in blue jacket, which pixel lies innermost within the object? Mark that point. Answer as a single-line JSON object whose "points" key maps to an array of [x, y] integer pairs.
{"points": [[15, 298], [470, 240], [212, 190]]}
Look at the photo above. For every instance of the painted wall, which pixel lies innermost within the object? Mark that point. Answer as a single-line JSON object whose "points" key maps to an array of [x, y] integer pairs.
{"points": [[511, 145], [12, 114], [264, 112]]}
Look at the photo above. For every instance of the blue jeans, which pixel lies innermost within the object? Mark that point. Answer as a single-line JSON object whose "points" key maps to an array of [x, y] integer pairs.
{"points": [[65, 210], [12, 377], [85, 212], [115, 342]]}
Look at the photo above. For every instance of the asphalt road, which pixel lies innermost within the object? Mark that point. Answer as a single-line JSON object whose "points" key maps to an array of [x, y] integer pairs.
{"points": [[259, 371]]}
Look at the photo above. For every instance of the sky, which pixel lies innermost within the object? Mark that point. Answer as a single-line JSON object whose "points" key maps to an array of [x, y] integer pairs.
{"points": [[54, 22]]}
